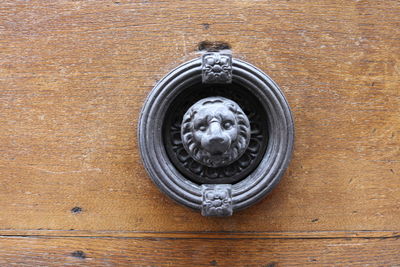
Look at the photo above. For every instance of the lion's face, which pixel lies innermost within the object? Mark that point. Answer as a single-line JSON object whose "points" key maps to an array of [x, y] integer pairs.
{"points": [[215, 128], [215, 131]]}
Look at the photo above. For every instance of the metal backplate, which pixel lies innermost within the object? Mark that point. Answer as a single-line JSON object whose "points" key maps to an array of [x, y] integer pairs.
{"points": [[247, 123]]}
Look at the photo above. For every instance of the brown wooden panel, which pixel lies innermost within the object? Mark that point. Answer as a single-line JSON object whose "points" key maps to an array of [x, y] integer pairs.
{"points": [[74, 74], [205, 234], [35, 251]]}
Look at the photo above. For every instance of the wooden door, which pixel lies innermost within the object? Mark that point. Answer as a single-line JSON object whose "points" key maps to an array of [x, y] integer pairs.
{"points": [[73, 78]]}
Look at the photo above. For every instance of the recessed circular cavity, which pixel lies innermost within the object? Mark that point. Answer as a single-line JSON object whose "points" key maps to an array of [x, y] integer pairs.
{"points": [[183, 86], [200, 173]]}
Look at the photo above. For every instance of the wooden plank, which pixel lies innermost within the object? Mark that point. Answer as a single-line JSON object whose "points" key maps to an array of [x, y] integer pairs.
{"points": [[74, 74], [36, 251], [204, 234]]}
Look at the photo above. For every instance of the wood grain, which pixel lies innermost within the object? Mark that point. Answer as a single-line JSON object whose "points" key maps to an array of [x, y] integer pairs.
{"points": [[74, 75], [209, 234], [37, 251]]}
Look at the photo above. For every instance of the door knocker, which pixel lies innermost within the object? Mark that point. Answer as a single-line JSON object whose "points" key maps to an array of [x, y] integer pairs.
{"points": [[216, 134]]}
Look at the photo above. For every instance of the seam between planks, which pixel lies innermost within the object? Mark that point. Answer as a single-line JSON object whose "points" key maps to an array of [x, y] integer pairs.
{"points": [[367, 234]]}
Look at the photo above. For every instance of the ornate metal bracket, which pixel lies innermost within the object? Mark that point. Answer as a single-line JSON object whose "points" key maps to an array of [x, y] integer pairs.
{"points": [[216, 134], [216, 67], [217, 200]]}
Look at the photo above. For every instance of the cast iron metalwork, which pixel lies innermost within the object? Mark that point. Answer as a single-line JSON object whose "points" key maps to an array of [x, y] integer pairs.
{"points": [[217, 200], [215, 131], [200, 173], [216, 134], [217, 67]]}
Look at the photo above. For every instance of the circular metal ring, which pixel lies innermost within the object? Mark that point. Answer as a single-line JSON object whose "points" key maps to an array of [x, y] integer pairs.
{"points": [[261, 180]]}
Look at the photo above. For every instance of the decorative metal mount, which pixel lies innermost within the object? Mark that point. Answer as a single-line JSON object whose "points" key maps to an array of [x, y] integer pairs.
{"points": [[216, 67], [216, 134], [217, 200]]}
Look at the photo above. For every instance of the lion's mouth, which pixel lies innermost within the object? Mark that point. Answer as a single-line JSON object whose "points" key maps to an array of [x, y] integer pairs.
{"points": [[219, 157], [217, 154]]}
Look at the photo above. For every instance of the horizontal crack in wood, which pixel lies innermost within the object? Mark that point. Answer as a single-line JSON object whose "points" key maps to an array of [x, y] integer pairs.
{"points": [[201, 235]]}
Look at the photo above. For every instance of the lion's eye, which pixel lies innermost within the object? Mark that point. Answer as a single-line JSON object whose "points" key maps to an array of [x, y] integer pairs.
{"points": [[227, 125], [203, 128]]}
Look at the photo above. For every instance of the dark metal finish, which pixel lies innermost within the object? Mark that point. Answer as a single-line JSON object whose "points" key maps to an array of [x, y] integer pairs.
{"points": [[239, 169], [215, 131], [206, 183], [217, 67], [217, 200]]}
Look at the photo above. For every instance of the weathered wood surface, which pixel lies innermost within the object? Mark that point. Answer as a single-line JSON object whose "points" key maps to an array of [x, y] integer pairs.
{"points": [[73, 77], [206, 251]]}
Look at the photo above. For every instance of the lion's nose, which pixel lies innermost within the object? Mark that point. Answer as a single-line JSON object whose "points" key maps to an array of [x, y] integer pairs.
{"points": [[217, 145], [216, 140], [214, 129]]}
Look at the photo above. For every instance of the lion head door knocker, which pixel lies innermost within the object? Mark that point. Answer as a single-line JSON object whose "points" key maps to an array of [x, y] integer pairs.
{"points": [[215, 131], [216, 134]]}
